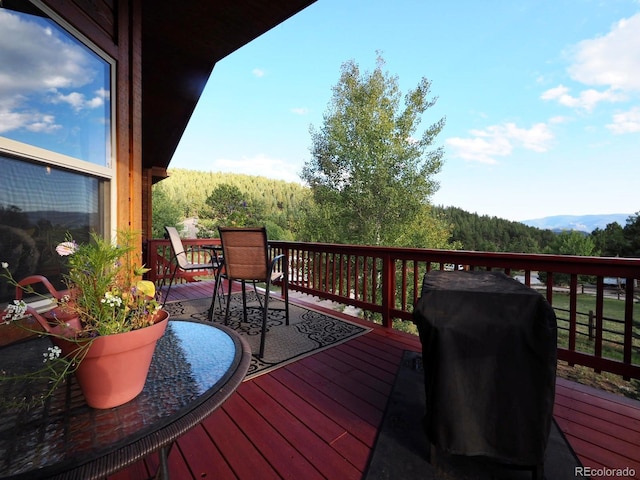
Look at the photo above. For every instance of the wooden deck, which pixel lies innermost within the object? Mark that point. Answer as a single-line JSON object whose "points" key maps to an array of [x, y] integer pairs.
{"points": [[318, 418]]}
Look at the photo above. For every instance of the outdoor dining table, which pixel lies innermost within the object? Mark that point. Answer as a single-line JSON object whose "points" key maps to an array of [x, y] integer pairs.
{"points": [[195, 368], [216, 253], [489, 355]]}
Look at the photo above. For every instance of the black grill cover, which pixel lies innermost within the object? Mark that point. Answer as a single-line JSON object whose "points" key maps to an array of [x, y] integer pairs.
{"points": [[489, 352]]}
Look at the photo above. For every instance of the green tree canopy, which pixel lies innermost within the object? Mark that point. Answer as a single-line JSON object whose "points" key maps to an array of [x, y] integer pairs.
{"points": [[164, 213], [371, 174], [611, 241], [570, 242]]}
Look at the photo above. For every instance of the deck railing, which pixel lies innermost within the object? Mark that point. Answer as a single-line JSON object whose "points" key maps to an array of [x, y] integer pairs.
{"points": [[595, 299]]}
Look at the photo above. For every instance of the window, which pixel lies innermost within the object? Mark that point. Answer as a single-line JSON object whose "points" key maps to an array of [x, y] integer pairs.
{"points": [[56, 142]]}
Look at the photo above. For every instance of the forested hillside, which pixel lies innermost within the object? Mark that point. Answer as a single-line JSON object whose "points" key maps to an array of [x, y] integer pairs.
{"points": [[189, 189], [184, 195], [493, 234], [228, 198], [211, 197]]}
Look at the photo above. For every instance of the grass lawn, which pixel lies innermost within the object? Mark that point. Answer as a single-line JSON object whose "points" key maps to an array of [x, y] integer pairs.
{"points": [[613, 336]]}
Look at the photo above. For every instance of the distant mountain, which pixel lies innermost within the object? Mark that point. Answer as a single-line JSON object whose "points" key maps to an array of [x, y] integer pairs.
{"points": [[67, 219], [583, 223]]}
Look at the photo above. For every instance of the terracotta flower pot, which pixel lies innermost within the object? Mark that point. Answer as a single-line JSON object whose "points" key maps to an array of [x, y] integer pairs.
{"points": [[114, 369]]}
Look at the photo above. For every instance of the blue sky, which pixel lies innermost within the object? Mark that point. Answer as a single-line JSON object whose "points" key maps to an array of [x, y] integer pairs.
{"points": [[541, 98]]}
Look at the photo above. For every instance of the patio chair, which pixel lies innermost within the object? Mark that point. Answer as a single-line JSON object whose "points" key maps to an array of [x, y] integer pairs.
{"points": [[246, 259], [179, 254]]}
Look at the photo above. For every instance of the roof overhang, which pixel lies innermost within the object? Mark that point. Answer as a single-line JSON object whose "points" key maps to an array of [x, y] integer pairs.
{"points": [[181, 43]]}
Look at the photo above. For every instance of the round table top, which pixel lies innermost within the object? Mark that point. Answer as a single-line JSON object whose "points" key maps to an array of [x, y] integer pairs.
{"points": [[195, 367]]}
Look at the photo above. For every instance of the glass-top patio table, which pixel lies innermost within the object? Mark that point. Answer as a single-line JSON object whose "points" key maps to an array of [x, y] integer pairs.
{"points": [[195, 368]]}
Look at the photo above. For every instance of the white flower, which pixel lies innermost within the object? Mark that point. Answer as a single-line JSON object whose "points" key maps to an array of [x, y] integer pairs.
{"points": [[5, 265], [52, 353], [65, 249], [111, 300], [15, 311]]}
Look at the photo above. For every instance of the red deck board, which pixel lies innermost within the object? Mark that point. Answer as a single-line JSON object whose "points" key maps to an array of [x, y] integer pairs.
{"points": [[336, 360], [629, 412], [347, 383], [621, 448], [596, 456], [334, 434], [355, 358], [327, 428], [598, 409], [629, 435], [324, 401], [241, 454], [134, 472], [354, 403], [310, 445], [282, 456], [380, 352], [202, 456]]}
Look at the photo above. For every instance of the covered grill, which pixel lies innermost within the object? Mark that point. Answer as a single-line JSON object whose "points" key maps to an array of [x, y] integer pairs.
{"points": [[489, 352]]}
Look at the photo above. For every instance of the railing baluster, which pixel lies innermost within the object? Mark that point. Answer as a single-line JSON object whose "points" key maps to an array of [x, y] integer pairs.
{"points": [[573, 308], [599, 317], [627, 356]]}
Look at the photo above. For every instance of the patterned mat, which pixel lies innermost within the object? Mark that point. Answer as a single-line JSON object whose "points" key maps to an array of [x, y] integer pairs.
{"points": [[308, 331]]}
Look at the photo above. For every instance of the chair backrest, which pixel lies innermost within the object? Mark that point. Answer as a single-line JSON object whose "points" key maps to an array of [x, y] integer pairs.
{"points": [[177, 247], [245, 252]]}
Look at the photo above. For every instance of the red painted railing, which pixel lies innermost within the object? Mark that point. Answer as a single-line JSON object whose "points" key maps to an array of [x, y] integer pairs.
{"points": [[159, 257], [598, 323]]}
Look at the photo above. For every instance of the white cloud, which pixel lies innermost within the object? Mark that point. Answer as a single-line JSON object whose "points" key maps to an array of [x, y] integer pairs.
{"points": [[35, 122], [258, 72], [37, 74], [586, 100], [31, 41], [558, 119], [78, 101], [478, 149], [612, 60], [626, 122], [260, 165], [300, 110], [43, 124], [499, 141]]}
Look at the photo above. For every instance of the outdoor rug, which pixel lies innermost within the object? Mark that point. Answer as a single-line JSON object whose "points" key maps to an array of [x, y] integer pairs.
{"points": [[401, 450], [308, 331]]}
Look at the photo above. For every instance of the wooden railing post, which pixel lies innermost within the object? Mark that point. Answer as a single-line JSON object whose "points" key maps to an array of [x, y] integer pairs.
{"points": [[388, 290]]}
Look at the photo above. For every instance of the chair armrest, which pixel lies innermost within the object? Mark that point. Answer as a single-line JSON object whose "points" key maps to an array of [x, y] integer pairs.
{"points": [[32, 280], [272, 264]]}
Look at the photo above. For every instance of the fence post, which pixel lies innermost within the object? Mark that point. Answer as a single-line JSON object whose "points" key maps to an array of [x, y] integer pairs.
{"points": [[591, 327]]}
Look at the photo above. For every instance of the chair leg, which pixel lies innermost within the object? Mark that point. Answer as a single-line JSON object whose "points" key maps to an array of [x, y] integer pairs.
{"points": [[286, 301], [255, 289], [244, 300], [216, 289], [265, 312], [226, 316], [173, 275]]}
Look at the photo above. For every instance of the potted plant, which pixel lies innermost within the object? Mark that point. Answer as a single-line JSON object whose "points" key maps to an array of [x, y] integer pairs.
{"points": [[106, 328]]}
